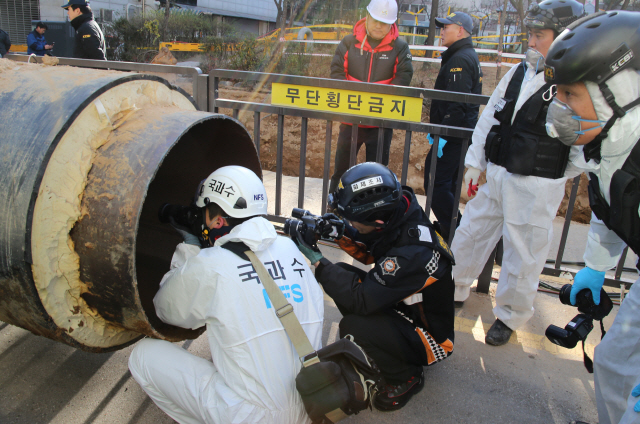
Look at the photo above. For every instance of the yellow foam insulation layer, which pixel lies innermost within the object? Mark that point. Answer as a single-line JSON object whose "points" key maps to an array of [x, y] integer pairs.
{"points": [[55, 263]]}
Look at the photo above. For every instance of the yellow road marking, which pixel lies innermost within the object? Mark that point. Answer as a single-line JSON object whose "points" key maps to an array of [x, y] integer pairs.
{"points": [[478, 330]]}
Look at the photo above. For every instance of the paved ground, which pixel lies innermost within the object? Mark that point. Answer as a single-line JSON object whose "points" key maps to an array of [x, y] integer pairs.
{"points": [[527, 381]]}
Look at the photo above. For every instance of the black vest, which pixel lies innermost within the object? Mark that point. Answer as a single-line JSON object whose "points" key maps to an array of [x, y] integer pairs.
{"points": [[620, 215], [524, 147]]}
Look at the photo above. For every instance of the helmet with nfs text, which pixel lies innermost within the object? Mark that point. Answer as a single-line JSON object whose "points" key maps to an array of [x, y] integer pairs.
{"points": [[237, 190], [365, 191], [554, 14]]}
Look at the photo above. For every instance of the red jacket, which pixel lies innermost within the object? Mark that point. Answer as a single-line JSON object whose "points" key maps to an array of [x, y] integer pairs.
{"points": [[388, 63]]}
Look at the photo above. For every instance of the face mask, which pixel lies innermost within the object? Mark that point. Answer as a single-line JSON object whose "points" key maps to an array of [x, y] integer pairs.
{"points": [[564, 124], [216, 233], [534, 58]]}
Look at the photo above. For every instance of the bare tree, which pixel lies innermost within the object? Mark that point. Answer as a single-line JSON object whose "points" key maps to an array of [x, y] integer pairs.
{"points": [[520, 8]]}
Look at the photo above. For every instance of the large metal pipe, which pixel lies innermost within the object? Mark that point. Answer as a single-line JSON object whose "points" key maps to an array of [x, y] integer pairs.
{"points": [[87, 158]]}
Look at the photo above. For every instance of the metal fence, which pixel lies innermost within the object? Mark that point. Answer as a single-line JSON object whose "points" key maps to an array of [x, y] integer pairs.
{"points": [[206, 93]]}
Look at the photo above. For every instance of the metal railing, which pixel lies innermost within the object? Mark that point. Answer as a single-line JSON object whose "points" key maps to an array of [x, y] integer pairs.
{"points": [[217, 102], [207, 97]]}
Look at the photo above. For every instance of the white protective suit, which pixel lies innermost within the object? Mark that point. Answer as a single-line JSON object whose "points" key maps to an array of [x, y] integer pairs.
{"points": [[519, 208], [617, 357], [252, 377]]}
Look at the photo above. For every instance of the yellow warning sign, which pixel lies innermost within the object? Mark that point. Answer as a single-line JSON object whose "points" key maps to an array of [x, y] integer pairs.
{"points": [[386, 106]]}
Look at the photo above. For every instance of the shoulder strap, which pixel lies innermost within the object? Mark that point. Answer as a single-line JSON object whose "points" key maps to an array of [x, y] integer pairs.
{"points": [[284, 311], [513, 89]]}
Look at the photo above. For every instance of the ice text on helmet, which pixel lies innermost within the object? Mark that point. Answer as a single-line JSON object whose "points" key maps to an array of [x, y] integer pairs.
{"points": [[366, 183], [622, 61], [220, 187]]}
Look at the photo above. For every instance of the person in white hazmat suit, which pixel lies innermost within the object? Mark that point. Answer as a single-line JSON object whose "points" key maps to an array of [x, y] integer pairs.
{"points": [[252, 377], [526, 174], [596, 66]]}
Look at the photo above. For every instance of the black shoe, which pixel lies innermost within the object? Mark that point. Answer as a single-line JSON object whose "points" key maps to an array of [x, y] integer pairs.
{"points": [[458, 304], [498, 334], [394, 397]]}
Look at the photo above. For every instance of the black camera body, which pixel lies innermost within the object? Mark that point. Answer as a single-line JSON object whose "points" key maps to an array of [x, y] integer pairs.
{"points": [[189, 217], [576, 330], [308, 228], [581, 325]]}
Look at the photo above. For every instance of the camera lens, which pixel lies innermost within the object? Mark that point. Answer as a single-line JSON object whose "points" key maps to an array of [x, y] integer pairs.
{"points": [[565, 294]]}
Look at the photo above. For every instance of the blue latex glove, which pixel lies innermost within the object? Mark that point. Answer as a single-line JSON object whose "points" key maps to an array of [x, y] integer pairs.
{"points": [[440, 144], [587, 278], [184, 232], [635, 393], [312, 253]]}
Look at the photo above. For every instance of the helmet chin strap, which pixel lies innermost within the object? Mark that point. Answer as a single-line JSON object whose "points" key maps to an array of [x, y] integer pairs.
{"points": [[592, 149]]}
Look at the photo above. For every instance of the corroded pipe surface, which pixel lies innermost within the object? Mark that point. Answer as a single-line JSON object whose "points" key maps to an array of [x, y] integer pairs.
{"points": [[87, 158]]}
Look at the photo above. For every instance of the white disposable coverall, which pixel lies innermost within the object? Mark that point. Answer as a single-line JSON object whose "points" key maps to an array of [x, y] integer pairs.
{"points": [[519, 208], [617, 357], [252, 377]]}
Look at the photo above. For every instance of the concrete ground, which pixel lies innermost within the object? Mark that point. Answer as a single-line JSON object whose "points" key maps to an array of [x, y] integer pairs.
{"points": [[529, 380]]}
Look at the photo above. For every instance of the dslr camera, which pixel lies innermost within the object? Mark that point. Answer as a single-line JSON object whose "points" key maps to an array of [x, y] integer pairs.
{"points": [[186, 218], [581, 325], [308, 228]]}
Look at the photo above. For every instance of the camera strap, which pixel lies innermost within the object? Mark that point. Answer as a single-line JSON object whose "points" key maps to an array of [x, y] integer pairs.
{"points": [[588, 363]]}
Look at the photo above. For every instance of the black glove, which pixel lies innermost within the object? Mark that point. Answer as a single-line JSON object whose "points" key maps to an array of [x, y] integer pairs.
{"points": [[333, 227], [185, 232]]}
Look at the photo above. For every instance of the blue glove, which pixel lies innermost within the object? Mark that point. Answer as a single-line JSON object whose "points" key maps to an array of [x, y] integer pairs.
{"points": [[635, 393], [184, 232], [587, 278], [440, 144]]}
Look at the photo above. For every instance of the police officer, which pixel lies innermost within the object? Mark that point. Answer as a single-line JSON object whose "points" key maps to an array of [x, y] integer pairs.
{"points": [[460, 71], [89, 42], [526, 174], [401, 311], [373, 53], [596, 65]]}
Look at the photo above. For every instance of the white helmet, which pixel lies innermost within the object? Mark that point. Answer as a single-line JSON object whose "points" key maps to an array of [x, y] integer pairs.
{"points": [[237, 190], [383, 10]]}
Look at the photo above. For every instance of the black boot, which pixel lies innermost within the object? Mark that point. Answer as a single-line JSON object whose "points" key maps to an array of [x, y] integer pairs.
{"points": [[498, 334], [394, 397]]}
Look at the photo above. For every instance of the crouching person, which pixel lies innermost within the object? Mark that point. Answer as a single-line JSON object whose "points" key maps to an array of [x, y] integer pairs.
{"points": [[400, 312], [252, 377]]}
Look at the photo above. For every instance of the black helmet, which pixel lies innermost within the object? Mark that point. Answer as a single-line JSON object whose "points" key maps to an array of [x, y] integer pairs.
{"points": [[554, 14], [595, 48], [366, 190]]}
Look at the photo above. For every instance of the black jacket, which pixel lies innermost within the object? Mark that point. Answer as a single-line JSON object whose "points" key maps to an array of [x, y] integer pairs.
{"points": [[5, 43], [460, 71], [89, 38], [405, 263]]}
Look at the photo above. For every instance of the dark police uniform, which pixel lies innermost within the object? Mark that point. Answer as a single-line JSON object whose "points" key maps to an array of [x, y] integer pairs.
{"points": [[460, 71], [402, 332], [90, 42]]}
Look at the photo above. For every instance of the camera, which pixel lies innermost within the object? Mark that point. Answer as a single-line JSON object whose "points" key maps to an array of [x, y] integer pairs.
{"points": [[188, 217], [308, 228], [581, 325]]}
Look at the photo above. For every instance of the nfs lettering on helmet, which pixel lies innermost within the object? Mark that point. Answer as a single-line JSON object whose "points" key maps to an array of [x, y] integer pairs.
{"points": [[258, 197]]}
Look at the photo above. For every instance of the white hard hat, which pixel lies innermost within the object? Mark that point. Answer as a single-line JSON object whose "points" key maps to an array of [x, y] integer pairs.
{"points": [[237, 190], [383, 10]]}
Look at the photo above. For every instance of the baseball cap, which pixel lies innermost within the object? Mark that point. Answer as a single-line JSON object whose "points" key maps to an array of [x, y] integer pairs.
{"points": [[458, 18], [75, 3]]}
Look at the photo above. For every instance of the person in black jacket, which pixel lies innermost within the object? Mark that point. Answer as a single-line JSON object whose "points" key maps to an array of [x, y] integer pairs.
{"points": [[400, 312], [373, 53], [90, 42], [460, 71], [5, 43]]}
